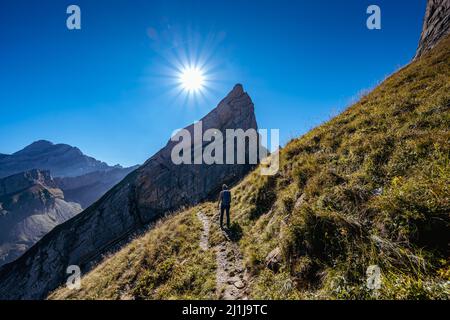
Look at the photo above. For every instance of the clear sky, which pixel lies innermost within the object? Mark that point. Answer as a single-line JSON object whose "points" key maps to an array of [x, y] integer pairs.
{"points": [[109, 87]]}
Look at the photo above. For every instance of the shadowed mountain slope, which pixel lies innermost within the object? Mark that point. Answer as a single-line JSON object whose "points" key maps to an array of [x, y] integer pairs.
{"points": [[88, 188]]}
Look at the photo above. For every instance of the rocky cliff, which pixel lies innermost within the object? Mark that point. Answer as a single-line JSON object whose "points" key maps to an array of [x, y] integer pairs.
{"points": [[156, 188], [436, 25], [30, 206]]}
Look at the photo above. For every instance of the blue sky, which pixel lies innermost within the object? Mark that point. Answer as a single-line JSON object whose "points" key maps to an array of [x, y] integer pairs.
{"points": [[109, 87]]}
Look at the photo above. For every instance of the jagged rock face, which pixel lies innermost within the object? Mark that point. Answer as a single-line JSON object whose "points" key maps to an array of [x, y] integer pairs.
{"points": [[30, 206], [25, 180], [157, 187], [61, 160], [436, 25]]}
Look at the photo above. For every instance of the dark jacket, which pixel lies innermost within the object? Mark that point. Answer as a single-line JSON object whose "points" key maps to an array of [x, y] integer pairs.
{"points": [[225, 198]]}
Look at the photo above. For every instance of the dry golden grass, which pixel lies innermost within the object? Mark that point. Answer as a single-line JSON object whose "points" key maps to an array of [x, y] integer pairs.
{"points": [[166, 262]]}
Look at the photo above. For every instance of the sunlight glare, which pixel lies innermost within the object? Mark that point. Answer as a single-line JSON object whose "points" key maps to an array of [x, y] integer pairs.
{"points": [[192, 79]]}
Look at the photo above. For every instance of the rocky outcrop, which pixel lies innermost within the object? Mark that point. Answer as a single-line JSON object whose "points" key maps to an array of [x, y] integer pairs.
{"points": [[61, 160], [30, 206], [25, 180], [273, 259], [436, 25], [156, 188]]}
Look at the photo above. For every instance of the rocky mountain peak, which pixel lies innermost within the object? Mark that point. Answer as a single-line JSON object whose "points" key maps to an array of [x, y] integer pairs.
{"points": [[62, 160], [237, 91], [436, 25], [35, 147]]}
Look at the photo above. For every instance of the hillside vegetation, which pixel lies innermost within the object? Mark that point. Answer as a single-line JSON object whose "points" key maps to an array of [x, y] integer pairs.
{"points": [[369, 187]]}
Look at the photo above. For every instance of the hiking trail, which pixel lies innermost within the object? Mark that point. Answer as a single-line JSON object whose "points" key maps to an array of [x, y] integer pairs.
{"points": [[204, 238], [231, 276]]}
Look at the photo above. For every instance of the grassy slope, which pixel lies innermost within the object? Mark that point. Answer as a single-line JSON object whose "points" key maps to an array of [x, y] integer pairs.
{"points": [[371, 186], [166, 263]]}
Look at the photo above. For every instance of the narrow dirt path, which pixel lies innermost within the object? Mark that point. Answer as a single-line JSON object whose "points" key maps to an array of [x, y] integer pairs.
{"points": [[204, 238], [231, 277]]}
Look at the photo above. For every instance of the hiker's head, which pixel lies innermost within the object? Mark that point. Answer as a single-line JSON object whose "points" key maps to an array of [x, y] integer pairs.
{"points": [[224, 187]]}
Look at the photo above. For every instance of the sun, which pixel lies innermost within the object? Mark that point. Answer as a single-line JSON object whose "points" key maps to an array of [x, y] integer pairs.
{"points": [[189, 71], [192, 79]]}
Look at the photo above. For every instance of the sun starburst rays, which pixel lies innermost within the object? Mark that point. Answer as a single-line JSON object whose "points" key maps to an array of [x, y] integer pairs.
{"points": [[189, 72]]}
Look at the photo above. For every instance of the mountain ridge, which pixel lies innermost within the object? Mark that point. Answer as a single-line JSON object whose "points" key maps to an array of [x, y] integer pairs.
{"points": [[83, 178], [62, 160]]}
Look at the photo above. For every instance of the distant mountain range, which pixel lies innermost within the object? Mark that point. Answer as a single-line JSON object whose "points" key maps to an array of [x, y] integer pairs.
{"points": [[61, 160], [43, 185], [83, 179]]}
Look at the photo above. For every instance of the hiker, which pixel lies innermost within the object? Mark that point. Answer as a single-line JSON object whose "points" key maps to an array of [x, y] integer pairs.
{"points": [[224, 205]]}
